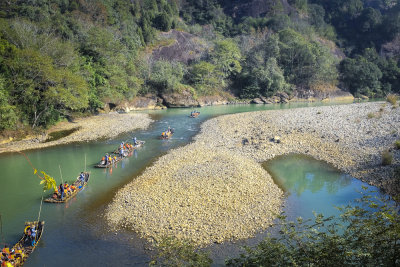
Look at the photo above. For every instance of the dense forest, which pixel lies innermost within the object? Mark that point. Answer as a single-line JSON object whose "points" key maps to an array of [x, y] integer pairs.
{"points": [[64, 58]]}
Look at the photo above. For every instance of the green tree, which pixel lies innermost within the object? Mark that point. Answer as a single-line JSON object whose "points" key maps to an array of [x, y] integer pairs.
{"points": [[8, 117], [166, 76], [226, 57], [163, 22], [41, 91], [305, 62], [361, 76], [205, 78]]}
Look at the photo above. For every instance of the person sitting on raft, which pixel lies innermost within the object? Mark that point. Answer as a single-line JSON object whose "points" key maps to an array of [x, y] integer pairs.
{"points": [[67, 188], [55, 194]]}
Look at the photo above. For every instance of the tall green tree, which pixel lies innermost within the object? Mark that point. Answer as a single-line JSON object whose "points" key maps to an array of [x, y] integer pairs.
{"points": [[226, 56], [8, 116], [361, 76], [42, 91]]}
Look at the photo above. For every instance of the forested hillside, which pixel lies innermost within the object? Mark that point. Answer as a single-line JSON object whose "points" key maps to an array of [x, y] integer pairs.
{"points": [[64, 58]]}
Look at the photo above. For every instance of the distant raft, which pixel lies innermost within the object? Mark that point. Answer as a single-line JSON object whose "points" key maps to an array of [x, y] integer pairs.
{"points": [[28, 242], [78, 185], [194, 114]]}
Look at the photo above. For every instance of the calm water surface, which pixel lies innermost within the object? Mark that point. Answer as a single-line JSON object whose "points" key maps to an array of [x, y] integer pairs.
{"points": [[75, 233]]}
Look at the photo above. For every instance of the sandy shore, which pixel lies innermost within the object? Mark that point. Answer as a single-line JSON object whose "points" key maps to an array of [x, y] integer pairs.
{"points": [[90, 128], [214, 190]]}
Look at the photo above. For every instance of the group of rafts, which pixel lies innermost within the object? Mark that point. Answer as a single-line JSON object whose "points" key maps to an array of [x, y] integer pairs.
{"points": [[20, 252], [124, 150]]}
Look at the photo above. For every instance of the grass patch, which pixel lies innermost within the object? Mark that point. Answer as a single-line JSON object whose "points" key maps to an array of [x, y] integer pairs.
{"points": [[387, 158], [392, 99], [60, 134], [397, 144]]}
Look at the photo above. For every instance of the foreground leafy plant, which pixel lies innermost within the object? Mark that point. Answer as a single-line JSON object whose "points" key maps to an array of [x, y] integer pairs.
{"points": [[47, 181], [367, 234]]}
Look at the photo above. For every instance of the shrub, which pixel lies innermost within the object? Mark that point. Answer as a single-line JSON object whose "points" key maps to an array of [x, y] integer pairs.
{"points": [[392, 99], [397, 144], [365, 234], [387, 158]]}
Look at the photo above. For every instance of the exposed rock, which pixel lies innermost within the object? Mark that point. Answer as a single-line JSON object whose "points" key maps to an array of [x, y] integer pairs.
{"points": [[328, 95], [212, 100], [180, 100], [141, 103], [257, 101], [185, 47], [265, 100]]}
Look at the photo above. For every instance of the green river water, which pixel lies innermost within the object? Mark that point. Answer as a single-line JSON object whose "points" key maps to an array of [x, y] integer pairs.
{"points": [[76, 234]]}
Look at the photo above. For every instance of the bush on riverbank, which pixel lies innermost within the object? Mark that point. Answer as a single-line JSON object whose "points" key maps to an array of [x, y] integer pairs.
{"points": [[392, 99], [397, 144], [387, 158]]}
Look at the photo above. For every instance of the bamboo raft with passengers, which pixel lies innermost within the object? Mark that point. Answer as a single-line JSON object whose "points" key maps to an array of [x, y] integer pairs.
{"points": [[71, 190], [20, 252], [167, 134], [194, 114], [124, 150]]}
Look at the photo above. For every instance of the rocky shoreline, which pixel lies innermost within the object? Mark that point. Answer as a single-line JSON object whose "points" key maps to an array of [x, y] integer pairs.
{"points": [[214, 189], [87, 129]]}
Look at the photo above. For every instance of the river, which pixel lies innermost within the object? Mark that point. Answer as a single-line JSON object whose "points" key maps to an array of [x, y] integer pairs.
{"points": [[76, 234]]}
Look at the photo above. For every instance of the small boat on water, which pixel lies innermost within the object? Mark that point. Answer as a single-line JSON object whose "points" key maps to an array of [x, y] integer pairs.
{"points": [[78, 184], [138, 144], [194, 114], [21, 251], [130, 147], [114, 159], [167, 134]]}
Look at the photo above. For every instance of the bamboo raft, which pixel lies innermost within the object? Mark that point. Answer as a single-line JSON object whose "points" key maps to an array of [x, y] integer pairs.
{"points": [[67, 196], [194, 114], [117, 158], [167, 134], [26, 245], [139, 144]]}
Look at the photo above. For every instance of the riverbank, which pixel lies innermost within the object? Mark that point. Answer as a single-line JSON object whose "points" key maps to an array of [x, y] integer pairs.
{"points": [[83, 130], [213, 190]]}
